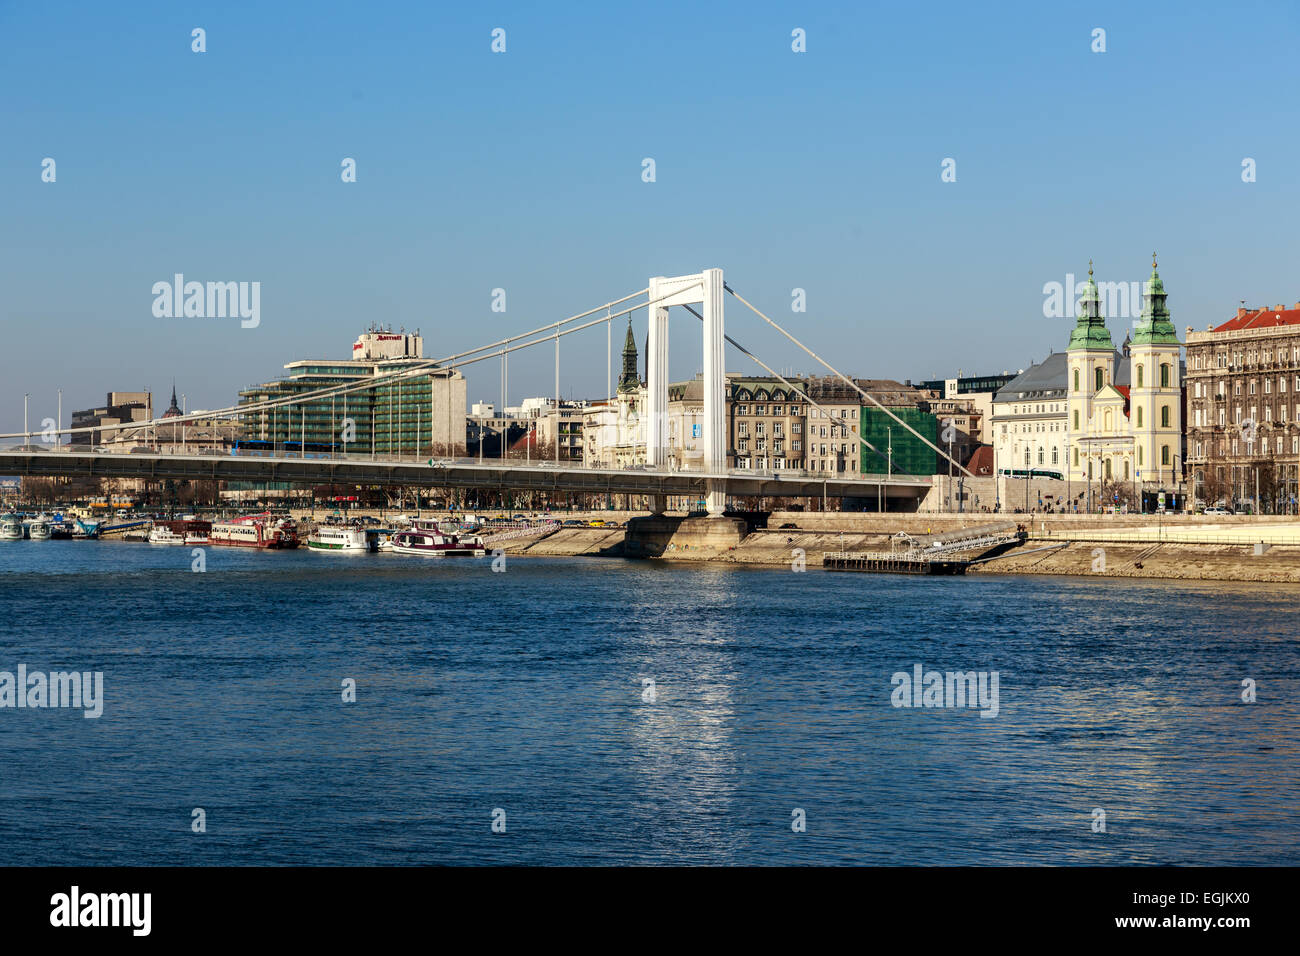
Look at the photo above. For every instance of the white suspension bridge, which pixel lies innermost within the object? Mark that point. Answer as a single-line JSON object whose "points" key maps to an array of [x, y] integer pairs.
{"points": [[712, 480]]}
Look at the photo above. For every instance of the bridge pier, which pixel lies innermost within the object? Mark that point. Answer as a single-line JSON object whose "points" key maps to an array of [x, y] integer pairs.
{"points": [[658, 504], [715, 497]]}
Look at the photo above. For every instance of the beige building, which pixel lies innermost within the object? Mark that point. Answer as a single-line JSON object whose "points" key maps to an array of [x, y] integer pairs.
{"points": [[831, 444], [765, 424], [119, 420]]}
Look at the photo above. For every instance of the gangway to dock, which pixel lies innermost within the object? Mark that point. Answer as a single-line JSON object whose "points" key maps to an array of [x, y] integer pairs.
{"points": [[932, 554]]}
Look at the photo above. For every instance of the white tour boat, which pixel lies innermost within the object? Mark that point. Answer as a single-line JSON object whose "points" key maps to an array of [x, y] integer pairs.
{"points": [[338, 540], [161, 534]]}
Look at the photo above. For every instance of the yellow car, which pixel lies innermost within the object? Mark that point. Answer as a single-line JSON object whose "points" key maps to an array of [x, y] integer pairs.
{"points": [[598, 523]]}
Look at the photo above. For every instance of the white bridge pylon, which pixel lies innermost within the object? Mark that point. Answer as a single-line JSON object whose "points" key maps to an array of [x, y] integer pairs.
{"points": [[705, 288]]}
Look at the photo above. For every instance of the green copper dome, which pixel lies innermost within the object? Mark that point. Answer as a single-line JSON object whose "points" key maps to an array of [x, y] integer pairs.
{"points": [[1156, 328], [1090, 330]]}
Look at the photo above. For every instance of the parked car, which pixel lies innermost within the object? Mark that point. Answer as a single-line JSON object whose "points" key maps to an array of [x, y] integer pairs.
{"points": [[573, 523], [597, 523], [1216, 510]]}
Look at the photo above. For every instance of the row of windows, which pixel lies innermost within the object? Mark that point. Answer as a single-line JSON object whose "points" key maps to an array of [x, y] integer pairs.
{"points": [[1165, 456], [1165, 418], [1201, 417], [1277, 444], [778, 445], [851, 412], [1202, 389], [1023, 428], [781, 464], [1099, 376], [1241, 357], [763, 464]]}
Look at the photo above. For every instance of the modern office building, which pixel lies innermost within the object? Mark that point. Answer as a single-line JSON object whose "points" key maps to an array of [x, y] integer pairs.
{"points": [[414, 409]]}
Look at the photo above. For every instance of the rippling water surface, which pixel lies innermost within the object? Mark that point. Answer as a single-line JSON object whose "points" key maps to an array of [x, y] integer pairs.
{"points": [[523, 691]]}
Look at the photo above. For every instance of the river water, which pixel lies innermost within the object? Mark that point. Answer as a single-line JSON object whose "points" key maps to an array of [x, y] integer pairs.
{"points": [[769, 735]]}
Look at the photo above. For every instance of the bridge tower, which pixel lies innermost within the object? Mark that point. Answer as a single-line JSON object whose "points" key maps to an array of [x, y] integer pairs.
{"points": [[705, 288]]}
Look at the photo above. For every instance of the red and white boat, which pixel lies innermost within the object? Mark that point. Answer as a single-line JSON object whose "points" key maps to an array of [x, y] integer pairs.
{"points": [[427, 539], [255, 531]]}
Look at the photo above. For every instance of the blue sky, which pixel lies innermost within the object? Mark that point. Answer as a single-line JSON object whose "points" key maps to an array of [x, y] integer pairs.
{"points": [[522, 171]]}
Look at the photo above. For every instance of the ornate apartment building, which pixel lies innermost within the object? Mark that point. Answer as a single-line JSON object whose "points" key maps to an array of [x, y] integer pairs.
{"points": [[765, 424], [1243, 434]]}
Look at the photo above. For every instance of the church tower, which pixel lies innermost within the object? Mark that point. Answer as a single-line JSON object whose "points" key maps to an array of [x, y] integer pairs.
{"points": [[1156, 405], [630, 380], [1090, 359]]}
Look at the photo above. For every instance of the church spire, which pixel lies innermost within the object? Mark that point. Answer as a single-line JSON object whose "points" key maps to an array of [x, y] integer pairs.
{"points": [[1156, 327], [1090, 330], [629, 381]]}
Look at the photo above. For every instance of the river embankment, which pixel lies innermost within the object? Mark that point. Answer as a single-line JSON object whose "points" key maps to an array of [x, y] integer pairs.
{"points": [[1263, 549]]}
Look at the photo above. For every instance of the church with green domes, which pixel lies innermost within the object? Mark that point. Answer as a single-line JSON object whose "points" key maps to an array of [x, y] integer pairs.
{"points": [[1130, 432]]}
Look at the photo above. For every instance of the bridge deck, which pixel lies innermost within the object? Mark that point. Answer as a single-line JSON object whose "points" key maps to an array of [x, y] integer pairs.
{"points": [[455, 473]]}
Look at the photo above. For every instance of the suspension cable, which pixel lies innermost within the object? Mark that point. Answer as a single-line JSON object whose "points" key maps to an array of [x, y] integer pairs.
{"points": [[848, 381], [790, 385]]}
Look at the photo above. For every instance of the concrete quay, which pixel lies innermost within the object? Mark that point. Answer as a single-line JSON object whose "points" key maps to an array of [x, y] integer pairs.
{"points": [[1174, 547]]}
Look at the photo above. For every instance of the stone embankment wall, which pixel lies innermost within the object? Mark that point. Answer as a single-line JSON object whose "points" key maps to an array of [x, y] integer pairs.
{"points": [[791, 547]]}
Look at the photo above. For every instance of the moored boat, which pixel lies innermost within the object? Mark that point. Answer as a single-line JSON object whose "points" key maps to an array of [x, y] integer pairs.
{"points": [[427, 539], [161, 534], [38, 529], [338, 540], [255, 531], [11, 528]]}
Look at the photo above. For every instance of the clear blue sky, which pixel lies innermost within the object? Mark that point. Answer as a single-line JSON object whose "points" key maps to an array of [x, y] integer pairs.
{"points": [[523, 171]]}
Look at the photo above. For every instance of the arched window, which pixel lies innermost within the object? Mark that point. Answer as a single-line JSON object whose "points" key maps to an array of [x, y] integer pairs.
{"points": [[1139, 416], [1139, 456], [1076, 412], [1164, 416], [1126, 469], [1099, 378], [1164, 376], [1164, 454], [1076, 379], [1040, 456], [1076, 458], [1108, 469], [1139, 384], [1109, 422], [1055, 458]]}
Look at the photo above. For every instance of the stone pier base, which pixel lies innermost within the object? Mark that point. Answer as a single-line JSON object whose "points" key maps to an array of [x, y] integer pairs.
{"points": [[664, 536]]}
